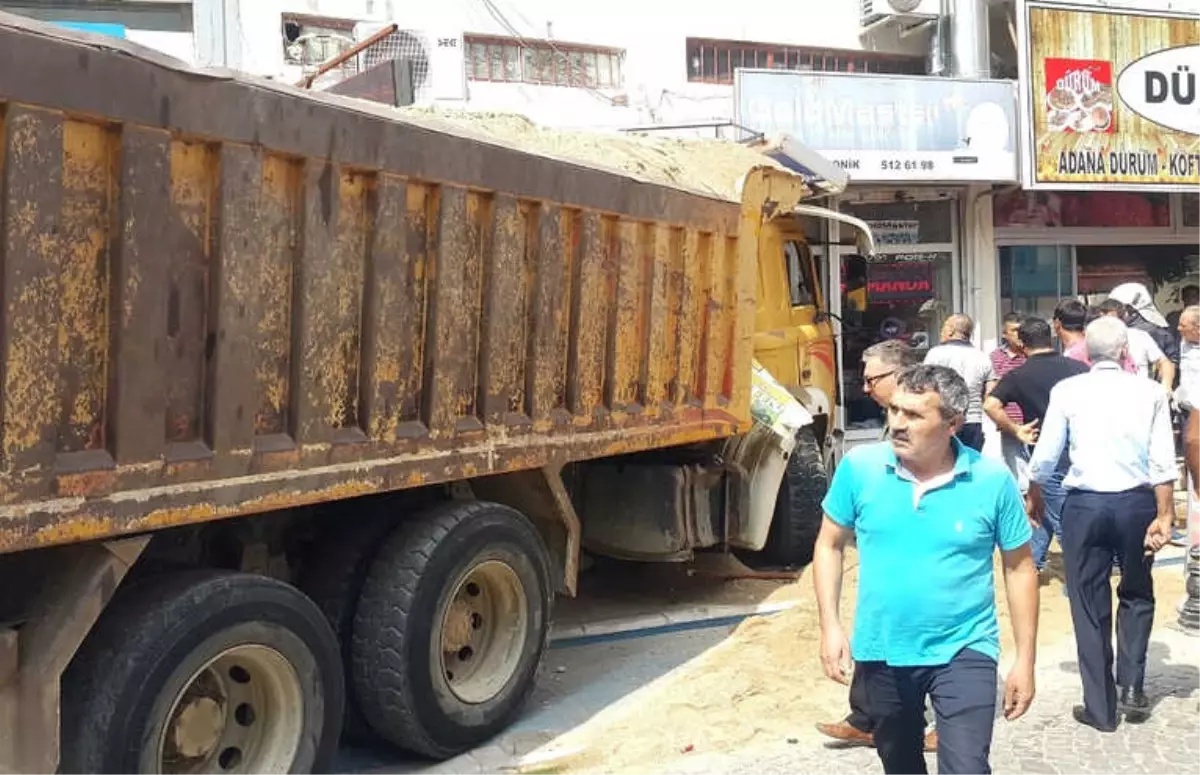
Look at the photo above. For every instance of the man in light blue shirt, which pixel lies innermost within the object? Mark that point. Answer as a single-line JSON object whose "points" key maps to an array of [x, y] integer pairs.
{"points": [[928, 513], [1117, 430]]}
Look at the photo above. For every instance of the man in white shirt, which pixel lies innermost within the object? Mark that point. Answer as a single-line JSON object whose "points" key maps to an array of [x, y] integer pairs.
{"points": [[1120, 500], [956, 352], [1188, 394], [1143, 350]]}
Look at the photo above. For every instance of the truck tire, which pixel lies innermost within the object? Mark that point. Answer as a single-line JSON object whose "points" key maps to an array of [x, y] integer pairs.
{"points": [[333, 577], [451, 626], [204, 671], [798, 512]]}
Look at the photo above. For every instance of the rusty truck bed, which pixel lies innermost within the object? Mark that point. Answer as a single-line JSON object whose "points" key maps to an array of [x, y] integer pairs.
{"points": [[222, 297]]}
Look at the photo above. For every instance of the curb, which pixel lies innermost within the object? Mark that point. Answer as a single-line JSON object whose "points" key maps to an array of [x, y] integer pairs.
{"points": [[646, 625]]}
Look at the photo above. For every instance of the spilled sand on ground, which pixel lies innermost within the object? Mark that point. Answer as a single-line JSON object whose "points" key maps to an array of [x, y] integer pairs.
{"points": [[762, 686]]}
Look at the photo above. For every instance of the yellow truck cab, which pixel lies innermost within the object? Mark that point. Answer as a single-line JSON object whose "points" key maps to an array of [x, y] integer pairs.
{"points": [[793, 337], [794, 343]]}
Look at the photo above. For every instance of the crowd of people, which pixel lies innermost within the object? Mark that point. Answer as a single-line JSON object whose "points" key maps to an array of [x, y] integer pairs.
{"points": [[1087, 458]]}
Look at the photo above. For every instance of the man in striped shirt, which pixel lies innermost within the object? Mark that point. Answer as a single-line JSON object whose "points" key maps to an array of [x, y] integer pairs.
{"points": [[1008, 356]]}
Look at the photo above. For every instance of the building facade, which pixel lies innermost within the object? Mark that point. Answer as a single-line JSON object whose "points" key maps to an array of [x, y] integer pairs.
{"points": [[1111, 156]]}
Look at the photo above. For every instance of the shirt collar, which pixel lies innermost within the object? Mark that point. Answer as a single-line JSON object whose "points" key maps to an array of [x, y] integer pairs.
{"points": [[958, 342], [962, 458], [1106, 366]]}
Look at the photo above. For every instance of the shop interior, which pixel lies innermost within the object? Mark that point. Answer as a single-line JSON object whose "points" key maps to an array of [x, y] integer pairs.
{"points": [[1085, 244]]}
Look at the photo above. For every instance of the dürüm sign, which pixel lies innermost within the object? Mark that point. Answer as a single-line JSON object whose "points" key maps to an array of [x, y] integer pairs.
{"points": [[1109, 98]]}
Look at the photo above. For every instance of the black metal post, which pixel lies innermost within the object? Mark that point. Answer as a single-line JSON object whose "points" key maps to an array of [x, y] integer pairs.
{"points": [[1189, 615]]}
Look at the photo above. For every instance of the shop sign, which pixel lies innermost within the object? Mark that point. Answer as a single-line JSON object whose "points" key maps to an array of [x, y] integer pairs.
{"points": [[906, 281], [895, 232], [888, 128], [1109, 98]]}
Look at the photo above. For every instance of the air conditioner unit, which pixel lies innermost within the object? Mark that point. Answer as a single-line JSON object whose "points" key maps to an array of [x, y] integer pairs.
{"points": [[438, 59], [875, 11]]}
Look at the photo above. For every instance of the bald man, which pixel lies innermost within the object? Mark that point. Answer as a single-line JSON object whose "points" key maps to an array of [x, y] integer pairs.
{"points": [[956, 352], [1188, 394]]}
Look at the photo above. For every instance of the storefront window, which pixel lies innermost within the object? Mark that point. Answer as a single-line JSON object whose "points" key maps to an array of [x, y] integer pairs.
{"points": [[1099, 209], [1163, 269], [1191, 210], [909, 291], [1034, 277]]}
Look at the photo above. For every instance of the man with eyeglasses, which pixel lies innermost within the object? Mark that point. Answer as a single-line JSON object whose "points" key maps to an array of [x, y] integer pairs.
{"points": [[881, 363]]}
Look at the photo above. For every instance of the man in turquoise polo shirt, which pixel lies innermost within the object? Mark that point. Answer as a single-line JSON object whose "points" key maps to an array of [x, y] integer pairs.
{"points": [[928, 513]]}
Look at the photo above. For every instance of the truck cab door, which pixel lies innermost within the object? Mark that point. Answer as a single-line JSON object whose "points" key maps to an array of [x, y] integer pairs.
{"points": [[792, 341]]}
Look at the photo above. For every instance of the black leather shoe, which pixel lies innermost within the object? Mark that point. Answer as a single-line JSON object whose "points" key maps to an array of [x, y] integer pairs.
{"points": [[1135, 705], [1083, 717]]}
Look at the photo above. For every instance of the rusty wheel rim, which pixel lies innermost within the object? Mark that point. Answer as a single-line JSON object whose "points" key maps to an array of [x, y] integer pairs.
{"points": [[482, 632], [241, 712]]}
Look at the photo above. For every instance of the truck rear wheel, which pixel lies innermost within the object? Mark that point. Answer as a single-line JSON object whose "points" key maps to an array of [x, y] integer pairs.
{"points": [[451, 626], [798, 512], [204, 672]]}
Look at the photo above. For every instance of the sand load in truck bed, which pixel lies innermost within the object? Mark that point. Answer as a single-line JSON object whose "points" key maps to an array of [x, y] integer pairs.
{"points": [[713, 167]]}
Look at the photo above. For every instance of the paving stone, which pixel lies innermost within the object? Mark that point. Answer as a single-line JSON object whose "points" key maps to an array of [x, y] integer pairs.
{"points": [[1047, 740]]}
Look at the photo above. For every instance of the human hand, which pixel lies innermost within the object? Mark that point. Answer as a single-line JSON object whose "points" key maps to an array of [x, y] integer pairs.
{"points": [[1158, 534], [1018, 690], [1027, 434], [1035, 507], [835, 654]]}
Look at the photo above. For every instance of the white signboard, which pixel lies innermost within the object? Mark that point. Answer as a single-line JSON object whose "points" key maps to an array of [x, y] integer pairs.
{"points": [[887, 127]]}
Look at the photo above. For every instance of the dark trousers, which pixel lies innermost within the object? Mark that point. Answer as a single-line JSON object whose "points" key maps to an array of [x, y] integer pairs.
{"points": [[1095, 527], [971, 434], [963, 695], [860, 717]]}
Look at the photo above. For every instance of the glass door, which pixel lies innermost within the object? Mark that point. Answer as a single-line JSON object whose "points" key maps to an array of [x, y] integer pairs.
{"points": [[905, 292]]}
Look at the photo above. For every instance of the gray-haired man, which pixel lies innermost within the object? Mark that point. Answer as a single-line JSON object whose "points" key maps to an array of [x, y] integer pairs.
{"points": [[1119, 501], [881, 363]]}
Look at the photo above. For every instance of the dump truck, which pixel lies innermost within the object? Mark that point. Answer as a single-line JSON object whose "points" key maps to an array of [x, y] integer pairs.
{"points": [[309, 405]]}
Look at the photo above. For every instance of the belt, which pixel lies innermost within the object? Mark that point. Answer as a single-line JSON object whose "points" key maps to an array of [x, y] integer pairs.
{"points": [[1147, 489]]}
